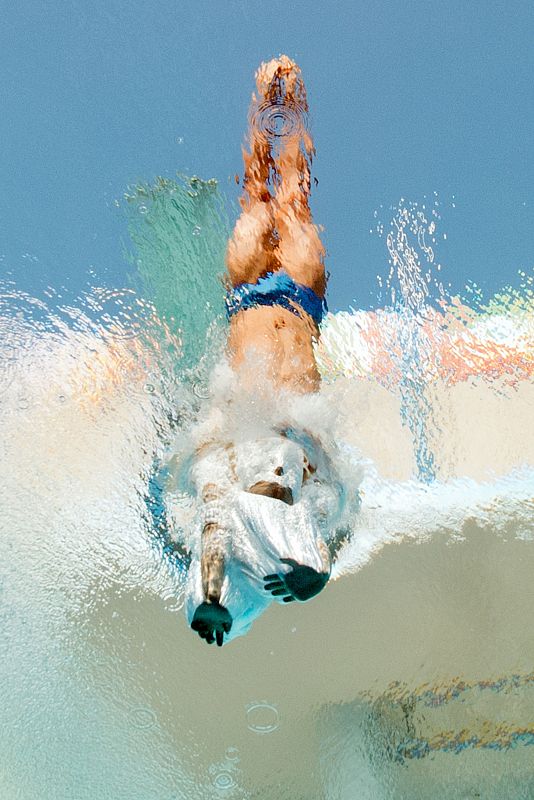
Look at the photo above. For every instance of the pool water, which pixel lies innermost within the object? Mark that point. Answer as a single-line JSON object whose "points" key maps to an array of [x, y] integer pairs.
{"points": [[409, 677]]}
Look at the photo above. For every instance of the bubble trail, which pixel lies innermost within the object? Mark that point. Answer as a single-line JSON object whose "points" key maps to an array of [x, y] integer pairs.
{"points": [[411, 354]]}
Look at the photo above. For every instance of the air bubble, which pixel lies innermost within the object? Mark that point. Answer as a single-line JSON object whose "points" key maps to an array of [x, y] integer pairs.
{"points": [[197, 230], [143, 210]]}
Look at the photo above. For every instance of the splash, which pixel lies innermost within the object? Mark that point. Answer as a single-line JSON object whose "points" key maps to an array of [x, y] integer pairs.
{"points": [[426, 342], [432, 398], [179, 230], [413, 343]]}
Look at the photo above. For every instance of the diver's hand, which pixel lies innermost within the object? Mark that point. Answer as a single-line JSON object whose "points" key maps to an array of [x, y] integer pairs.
{"points": [[211, 621], [301, 583]]}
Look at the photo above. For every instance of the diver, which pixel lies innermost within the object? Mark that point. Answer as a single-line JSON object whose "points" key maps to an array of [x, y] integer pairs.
{"points": [[267, 494]]}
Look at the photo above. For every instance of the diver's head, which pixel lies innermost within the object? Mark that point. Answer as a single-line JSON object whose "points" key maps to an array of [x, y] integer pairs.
{"points": [[274, 490]]}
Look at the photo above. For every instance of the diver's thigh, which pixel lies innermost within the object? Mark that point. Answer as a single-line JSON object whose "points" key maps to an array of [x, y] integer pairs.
{"points": [[300, 252]]}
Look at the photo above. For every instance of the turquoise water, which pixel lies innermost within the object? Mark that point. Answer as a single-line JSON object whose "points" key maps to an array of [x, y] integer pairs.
{"points": [[409, 677]]}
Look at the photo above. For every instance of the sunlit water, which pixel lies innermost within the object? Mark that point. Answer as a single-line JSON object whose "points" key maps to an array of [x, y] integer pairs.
{"points": [[409, 677]]}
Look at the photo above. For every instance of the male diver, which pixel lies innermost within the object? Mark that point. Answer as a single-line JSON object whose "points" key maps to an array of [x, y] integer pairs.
{"points": [[269, 498]]}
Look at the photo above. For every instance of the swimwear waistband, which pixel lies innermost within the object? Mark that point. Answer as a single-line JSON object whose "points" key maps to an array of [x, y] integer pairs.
{"points": [[276, 288]]}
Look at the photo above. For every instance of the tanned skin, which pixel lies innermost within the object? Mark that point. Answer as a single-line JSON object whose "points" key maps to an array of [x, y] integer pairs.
{"points": [[274, 231]]}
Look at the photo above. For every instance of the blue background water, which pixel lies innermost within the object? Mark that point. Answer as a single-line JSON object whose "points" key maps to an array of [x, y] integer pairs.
{"points": [[406, 98]]}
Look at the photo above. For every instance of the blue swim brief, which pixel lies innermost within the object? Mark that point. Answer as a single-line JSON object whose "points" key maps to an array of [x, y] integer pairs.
{"points": [[276, 289]]}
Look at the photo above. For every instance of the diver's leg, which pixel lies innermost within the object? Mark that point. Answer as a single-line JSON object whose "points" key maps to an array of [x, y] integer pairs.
{"points": [[250, 250], [276, 231], [298, 245], [299, 249]]}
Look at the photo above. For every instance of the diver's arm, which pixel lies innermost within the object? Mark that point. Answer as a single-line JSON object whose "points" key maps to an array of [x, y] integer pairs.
{"points": [[211, 619], [214, 553], [213, 480], [302, 582]]}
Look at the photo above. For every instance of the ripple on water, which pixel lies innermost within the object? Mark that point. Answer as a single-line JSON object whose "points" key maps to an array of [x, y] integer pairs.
{"points": [[143, 718], [232, 754], [202, 392], [224, 781], [262, 718], [278, 118]]}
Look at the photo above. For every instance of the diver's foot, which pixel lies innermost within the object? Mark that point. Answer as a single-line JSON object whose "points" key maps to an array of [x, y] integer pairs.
{"points": [[300, 583], [280, 80], [279, 118], [278, 83], [211, 621]]}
